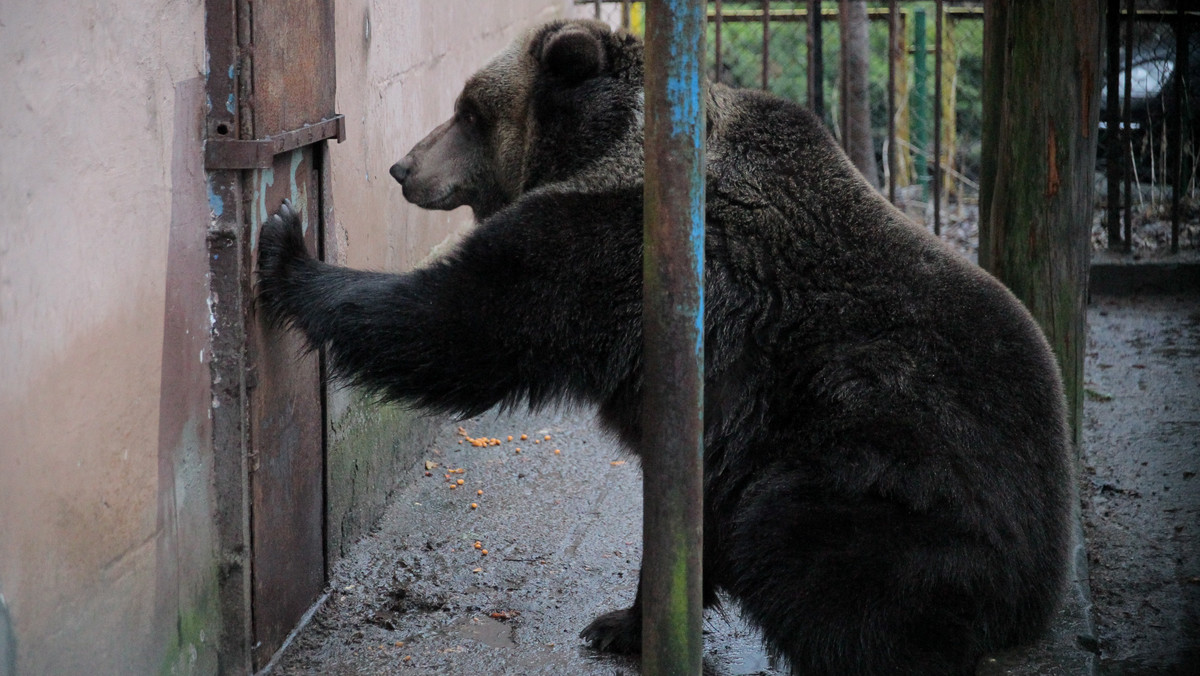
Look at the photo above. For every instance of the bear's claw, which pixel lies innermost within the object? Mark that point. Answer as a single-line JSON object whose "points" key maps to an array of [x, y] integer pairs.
{"points": [[617, 632]]}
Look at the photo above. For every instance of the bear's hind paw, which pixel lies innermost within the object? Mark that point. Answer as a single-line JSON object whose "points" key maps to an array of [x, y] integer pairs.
{"points": [[617, 632]]}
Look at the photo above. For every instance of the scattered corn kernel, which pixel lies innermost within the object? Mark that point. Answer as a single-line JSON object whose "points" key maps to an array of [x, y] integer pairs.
{"points": [[524, 437], [557, 452], [483, 551], [510, 437], [478, 544], [459, 482], [479, 492], [547, 437], [474, 505]]}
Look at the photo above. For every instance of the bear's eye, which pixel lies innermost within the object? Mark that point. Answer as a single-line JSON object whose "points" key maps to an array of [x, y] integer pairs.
{"points": [[468, 117]]}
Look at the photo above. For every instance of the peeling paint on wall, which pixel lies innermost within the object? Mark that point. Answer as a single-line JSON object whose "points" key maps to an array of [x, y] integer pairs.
{"points": [[215, 204], [298, 195], [261, 180]]}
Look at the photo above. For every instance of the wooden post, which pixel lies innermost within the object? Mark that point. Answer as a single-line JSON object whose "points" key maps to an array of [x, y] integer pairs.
{"points": [[1040, 103]]}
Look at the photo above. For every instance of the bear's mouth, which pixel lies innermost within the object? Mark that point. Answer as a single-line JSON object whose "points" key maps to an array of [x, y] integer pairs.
{"points": [[444, 200]]}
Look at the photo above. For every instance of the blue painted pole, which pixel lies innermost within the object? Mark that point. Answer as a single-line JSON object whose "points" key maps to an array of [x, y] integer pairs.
{"points": [[673, 327]]}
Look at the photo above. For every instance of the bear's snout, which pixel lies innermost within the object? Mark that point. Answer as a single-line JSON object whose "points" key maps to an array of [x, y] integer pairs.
{"points": [[401, 169]]}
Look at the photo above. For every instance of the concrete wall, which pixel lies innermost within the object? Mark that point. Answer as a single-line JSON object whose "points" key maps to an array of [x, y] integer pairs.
{"points": [[107, 554], [400, 65], [105, 544]]}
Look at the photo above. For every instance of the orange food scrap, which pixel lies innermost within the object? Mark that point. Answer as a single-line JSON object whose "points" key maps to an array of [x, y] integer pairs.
{"points": [[547, 437], [459, 482], [483, 551], [478, 544], [524, 437], [617, 463], [479, 492], [557, 452], [510, 437]]}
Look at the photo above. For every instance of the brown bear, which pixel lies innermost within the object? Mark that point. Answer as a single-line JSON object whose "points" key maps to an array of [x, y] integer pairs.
{"points": [[887, 467]]}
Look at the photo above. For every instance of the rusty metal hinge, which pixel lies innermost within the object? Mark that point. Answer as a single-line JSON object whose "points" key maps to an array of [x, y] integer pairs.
{"points": [[223, 153]]}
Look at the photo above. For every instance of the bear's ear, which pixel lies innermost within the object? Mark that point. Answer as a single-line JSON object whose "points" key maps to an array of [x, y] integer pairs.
{"points": [[574, 54]]}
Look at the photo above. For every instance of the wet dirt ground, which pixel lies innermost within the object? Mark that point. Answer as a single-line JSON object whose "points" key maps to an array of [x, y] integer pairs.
{"points": [[1141, 497], [562, 533]]}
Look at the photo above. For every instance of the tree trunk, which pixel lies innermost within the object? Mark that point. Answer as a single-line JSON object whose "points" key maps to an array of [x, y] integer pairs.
{"points": [[1040, 116], [856, 98]]}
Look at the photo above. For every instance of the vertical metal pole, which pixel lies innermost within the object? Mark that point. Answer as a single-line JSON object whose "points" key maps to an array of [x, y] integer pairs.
{"points": [[1182, 64], [843, 81], [916, 97], [717, 47], [1112, 123], [1127, 145], [673, 328], [766, 43], [816, 60], [937, 119], [597, 3], [893, 54]]}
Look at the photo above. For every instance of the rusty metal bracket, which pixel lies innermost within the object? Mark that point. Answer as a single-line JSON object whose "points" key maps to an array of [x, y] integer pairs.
{"points": [[225, 153]]}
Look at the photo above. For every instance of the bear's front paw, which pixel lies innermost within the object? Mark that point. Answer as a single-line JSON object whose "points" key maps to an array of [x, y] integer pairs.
{"points": [[281, 241], [281, 250], [617, 632]]}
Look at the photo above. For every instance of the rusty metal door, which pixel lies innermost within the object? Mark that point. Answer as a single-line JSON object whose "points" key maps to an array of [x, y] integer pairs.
{"points": [[271, 95]]}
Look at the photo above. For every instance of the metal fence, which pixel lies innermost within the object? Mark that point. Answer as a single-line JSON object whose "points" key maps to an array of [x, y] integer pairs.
{"points": [[926, 74], [1149, 127]]}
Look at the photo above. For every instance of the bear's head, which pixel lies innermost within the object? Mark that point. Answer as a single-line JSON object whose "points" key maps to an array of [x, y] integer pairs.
{"points": [[562, 101]]}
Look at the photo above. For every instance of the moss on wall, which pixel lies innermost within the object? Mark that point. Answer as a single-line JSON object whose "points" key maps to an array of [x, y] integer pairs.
{"points": [[198, 626], [372, 450]]}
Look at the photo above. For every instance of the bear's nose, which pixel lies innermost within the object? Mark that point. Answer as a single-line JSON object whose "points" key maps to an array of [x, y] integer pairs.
{"points": [[400, 170]]}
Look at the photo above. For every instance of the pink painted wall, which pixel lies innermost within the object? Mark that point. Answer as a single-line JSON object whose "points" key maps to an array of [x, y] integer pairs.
{"points": [[104, 540], [107, 552]]}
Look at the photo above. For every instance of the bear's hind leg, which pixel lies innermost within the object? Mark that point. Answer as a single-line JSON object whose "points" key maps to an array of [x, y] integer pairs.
{"points": [[859, 587]]}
